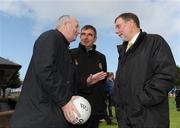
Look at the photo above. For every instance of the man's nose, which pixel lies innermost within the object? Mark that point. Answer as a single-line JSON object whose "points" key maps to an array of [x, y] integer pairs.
{"points": [[78, 31], [116, 31]]}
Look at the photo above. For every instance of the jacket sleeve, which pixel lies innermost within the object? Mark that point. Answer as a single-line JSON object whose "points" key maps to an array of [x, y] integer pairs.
{"points": [[81, 80], [104, 64], [45, 64], [163, 75], [82, 84]]}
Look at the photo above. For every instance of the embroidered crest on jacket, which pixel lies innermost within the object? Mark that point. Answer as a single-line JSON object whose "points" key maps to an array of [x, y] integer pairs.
{"points": [[100, 65]]}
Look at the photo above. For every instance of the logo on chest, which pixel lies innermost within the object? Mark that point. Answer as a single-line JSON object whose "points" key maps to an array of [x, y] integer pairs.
{"points": [[100, 66]]}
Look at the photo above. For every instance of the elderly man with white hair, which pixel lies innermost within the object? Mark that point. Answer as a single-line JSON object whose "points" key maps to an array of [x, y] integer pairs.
{"points": [[47, 92]]}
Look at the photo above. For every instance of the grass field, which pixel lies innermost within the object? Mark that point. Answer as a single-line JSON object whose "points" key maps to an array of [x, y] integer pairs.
{"points": [[174, 116]]}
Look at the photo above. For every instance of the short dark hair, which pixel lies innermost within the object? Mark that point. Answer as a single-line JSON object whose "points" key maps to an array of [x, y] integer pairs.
{"points": [[89, 27], [127, 17]]}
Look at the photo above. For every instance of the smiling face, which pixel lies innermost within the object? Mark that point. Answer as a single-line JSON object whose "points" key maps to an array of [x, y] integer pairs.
{"points": [[88, 37]]}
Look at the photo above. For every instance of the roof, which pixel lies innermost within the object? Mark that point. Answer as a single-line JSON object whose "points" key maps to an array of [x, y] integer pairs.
{"points": [[4, 61]]}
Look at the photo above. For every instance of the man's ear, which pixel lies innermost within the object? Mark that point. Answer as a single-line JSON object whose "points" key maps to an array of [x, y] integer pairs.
{"points": [[131, 22], [95, 39]]}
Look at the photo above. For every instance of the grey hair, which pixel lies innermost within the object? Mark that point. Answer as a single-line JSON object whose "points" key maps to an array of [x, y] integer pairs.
{"points": [[63, 19], [127, 16]]}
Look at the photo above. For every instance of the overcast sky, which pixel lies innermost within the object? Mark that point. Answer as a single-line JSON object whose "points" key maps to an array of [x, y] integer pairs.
{"points": [[22, 21]]}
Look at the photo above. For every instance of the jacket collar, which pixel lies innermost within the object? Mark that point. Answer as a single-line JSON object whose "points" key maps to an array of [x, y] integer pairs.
{"points": [[138, 41], [67, 43], [82, 47]]}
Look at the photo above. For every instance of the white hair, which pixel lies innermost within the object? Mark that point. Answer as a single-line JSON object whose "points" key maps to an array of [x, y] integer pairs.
{"points": [[63, 19]]}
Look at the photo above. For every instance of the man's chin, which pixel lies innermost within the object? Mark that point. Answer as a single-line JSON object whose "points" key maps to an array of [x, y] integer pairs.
{"points": [[121, 36], [73, 40]]}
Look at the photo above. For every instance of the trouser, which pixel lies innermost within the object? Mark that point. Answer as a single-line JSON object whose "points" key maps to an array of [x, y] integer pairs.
{"points": [[93, 122], [110, 106], [177, 99]]}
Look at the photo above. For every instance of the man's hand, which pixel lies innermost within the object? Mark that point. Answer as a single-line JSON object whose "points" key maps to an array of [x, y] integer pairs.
{"points": [[92, 79], [69, 109]]}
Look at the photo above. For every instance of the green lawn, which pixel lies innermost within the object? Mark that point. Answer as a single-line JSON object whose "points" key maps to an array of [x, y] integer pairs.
{"points": [[174, 116]]}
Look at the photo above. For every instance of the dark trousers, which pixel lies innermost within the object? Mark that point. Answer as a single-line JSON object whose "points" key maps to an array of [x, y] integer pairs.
{"points": [[177, 99], [109, 105], [93, 122]]}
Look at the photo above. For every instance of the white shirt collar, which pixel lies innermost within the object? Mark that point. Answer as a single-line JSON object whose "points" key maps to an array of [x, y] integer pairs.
{"points": [[134, 38]]}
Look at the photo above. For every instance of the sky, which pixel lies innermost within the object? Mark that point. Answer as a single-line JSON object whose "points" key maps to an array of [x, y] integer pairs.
{"points": [[22, 21]]}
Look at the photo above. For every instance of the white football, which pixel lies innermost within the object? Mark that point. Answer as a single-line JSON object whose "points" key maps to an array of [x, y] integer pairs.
{"points": [[84, 108]]}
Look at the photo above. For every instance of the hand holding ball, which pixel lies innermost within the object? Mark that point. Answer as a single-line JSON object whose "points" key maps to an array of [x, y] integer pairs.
{"points": [[84, 108]]}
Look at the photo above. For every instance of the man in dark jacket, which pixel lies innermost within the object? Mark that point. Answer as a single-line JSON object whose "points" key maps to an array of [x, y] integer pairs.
{"points": [[90, 62], [47, 92], [145, 74]]}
